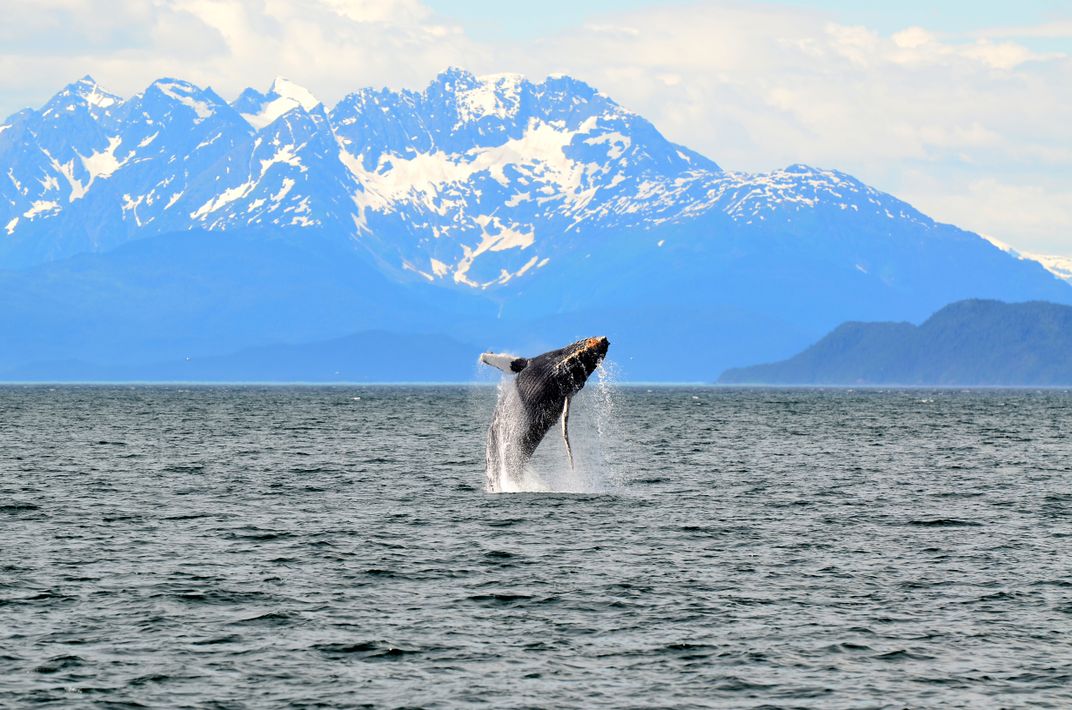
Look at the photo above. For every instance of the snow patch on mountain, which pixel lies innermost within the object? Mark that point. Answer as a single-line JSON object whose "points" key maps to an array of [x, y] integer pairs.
{"points": [[95, 96], [284, 155], [67, 171], [187, 95], [755, 197], [103, 163], [494, 95], [224, 198], [495, 236], [285, 88], [283, 190], [1059, 266], [83, 94], [420, 179], [283, 96], [40, 207]]}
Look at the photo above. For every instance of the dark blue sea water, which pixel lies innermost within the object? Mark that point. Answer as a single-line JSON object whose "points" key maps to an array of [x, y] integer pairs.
{"points": [[333, 547]]}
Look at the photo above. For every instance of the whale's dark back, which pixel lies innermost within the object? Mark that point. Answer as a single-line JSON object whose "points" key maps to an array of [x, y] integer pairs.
{"points": [[548, 379]]}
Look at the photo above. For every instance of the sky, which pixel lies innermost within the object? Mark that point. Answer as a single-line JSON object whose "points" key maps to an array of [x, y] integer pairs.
{"points": [[960, 108]]}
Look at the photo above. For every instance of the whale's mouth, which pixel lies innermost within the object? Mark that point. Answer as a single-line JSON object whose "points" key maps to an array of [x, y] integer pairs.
{"points": [[596, 346], [582, 358]]}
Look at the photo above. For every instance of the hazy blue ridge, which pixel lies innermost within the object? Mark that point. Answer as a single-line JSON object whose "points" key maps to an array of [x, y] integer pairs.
{"points": [[492, 212], [375, 356], [972, 343]]}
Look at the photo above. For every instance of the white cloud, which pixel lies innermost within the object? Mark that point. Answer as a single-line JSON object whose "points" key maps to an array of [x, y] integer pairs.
{"points": [[1058, 29], [330, 46], [912, 38], [1021, 214]]}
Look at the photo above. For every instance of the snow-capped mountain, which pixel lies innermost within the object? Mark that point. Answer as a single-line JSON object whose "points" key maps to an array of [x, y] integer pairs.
{"points": [[259, 109], [473, 181], [513, 200], [460, 177]]}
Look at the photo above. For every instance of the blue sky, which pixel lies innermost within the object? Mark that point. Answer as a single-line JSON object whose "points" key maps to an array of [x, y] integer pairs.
{"points": [[961, 108], [490, 19]]}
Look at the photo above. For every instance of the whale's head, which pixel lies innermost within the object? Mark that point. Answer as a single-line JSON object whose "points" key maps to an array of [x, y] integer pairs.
{"points": [[579, 360]]}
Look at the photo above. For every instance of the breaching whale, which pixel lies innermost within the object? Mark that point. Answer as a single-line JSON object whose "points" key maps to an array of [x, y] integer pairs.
{"points": [[533, 401]]}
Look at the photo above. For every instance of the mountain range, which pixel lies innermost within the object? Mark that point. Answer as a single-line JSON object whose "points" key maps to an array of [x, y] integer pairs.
{"points": [[139, 235], [968, 343]]}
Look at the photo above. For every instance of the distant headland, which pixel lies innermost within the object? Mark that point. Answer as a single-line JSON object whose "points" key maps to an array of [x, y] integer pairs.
{"points": [[967, 343]]}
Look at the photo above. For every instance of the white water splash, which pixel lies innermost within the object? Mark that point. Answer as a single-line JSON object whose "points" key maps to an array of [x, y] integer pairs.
{"points": [[591, 428]]}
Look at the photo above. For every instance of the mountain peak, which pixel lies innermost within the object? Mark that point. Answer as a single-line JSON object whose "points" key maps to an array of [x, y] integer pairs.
{"points": [[799, 169], [560, 79], [259, 110], [287, 89], [170, 85], [454, 74], [88, 90], [491, 95], [201, 101], [502, 78]]}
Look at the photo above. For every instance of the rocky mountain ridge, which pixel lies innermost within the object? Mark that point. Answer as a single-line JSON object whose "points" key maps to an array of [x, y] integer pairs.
{"points": [[493, 211]]}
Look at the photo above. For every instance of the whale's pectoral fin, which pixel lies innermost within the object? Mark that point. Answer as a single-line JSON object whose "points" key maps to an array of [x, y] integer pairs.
{"points": [[510, 364], [565, 431]]}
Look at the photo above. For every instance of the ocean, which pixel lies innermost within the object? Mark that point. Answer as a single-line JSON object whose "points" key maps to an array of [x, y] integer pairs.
{"points": [[249, 547]]}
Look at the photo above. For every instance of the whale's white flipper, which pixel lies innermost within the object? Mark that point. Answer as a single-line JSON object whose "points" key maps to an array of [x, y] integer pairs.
{"points": [[510, 364], [565, 431]]}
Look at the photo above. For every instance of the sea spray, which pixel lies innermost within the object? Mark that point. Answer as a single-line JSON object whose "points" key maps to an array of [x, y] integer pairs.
{"points": [[505, 461], [591, 428], [608, 435]]}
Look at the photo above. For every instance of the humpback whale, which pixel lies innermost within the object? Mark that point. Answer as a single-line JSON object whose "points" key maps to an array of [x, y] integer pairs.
{"points": [[531, 402]]}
